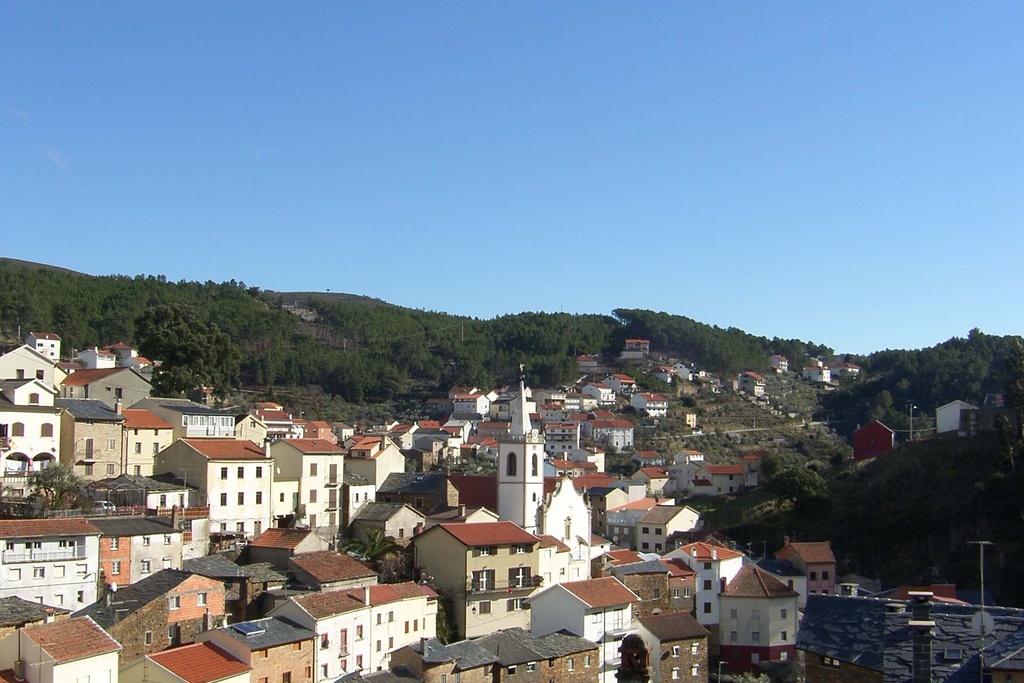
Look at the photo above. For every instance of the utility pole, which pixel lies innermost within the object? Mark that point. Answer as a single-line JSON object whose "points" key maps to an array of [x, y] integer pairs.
{"points": [[911, 406], [981, 569]]}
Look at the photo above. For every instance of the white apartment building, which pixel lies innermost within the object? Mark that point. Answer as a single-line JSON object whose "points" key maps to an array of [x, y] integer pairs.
{"points": [[29, 429], [51, 561], [46, 343], [234, 478], [308, 475], [715, 566]]}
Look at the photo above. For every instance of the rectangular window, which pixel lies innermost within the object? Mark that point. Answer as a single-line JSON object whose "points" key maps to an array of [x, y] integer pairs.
{"points": [[115, 567], [814, 576], [675, 673], [115, 543], [755, 636], [174, 602], [783, 613], [733, 636], [484, 607], [686, 592], [694, 648], [656, 594], [511, 670], [312, 469], [223, 499], [694, 669], [515, 604], [241, 473], [707, 584], [138, 447], [259, 472], [675, 650], [259, 497], [149, 637], [531, 667], [88, 468], [145, 541], [111, 444], [241, 498], [223, 472], [755, 615], [784, 638], [110, 470], [824, 576], [572, 663], [312, 495], [38, 572], [733, 614], [145, 566], [707, 608], [156, 448], [167, 540]]}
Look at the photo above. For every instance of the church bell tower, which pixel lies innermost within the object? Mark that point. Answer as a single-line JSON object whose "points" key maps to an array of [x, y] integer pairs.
{"points": [[521, 467]]}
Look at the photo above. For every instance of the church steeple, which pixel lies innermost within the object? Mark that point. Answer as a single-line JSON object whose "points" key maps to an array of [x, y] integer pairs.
{"points": [[521, 466]]}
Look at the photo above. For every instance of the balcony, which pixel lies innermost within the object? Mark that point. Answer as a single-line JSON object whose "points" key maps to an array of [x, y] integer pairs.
{"points": [[504, 586], [16, 556]]}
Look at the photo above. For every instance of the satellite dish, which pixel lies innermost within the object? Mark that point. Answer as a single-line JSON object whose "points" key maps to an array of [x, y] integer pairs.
{"points": [[976, 623], [113, 587]]}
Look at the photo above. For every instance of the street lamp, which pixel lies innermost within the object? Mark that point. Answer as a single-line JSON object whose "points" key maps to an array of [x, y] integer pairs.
{"points": [[720, 663], [912, 407], [981, 569]]}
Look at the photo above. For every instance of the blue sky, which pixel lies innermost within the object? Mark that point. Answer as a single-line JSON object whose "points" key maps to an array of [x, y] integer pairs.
{"points": [[844, 173]]}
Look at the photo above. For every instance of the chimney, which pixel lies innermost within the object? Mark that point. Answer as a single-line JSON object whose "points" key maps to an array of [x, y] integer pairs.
{"points": [[418, 530], [848, 589], [462, 510], [48, 615], [366, 595], [207, 620], [174, 517], [721, 585], [117, 407], [714, 553], [921, 626], [423, 646], [785, 541]]}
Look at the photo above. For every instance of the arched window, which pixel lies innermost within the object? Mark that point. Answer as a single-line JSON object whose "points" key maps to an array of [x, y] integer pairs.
{"points": [[33, 399], [533, 470], [18, 429], [510, 466], [46, 429]]}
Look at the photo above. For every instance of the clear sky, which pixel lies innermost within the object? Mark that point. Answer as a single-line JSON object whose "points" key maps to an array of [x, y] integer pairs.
{"points": [[847, 173]]}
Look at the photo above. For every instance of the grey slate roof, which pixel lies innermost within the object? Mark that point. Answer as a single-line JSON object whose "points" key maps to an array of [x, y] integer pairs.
{"points": [[413, 482], [876, 634], [15, 611], [275, 631], [131, 599], [89, 409], [378, 512], [156, 483], [183, 405], [214, 567], [467, 654], [518, 646], [648, 567], [353, 479], [778, 567], [398, 674], [133, 526]]}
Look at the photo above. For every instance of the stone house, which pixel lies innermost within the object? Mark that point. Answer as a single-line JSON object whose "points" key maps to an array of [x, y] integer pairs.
{"points": [[91, 438], [169, 608], [650, 581], [277, 649], [679, 647]]}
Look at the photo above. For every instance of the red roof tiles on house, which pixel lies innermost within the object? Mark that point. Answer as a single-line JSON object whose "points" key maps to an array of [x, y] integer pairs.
{"points": [[66, 641], [597, 593], [24, 528], [200, 663], [316, 446], [706, 551], [490, 533], [725, 469], [280, 538], [322, 605], [82, 377], [654, 472], [811, 552], [330, 566], [754, 582], [647, 455], [227, 449], [137, 418], [618, 557]]}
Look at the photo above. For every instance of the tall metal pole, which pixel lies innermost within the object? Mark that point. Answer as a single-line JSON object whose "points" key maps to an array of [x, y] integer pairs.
{"points": [[981, 570]]}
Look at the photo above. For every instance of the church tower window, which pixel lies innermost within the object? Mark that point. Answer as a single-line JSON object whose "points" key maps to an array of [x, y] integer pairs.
{"points": [[534, 470], [510, 468]]}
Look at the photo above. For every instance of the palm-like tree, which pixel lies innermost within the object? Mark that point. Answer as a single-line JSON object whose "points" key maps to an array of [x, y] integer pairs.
{"points": [[374, 548]]}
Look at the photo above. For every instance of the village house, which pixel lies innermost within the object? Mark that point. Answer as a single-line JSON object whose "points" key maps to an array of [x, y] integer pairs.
{"points": [[355, 493], [600, 392], [778, 363], [654, 478], [665, 373], [168, 608], [97, 359], [91, 435], [427, 492], [758, 620], [359, 629], [752, 383], [276, 546], [715, 567], [622, 519], [817, 374], [17, 613], [280, 424], [330, 571], [30, 430], [602, 499], [561, 438], [636, 349], [947, 417], [432, 661], [190, 420], [145, 435], [489, 569], [246, 586], [307, 482], [661, 521], [655, 405], [108, 385], [815, 560], [622, 385], [396, 520], [277, 649], [526, 658], [617, 434], [58, 652], [24, 362], [51, 561], [649, 579], [132, 548], [872, 440], [717, 480], [45, 343], [233, 476], [600, 610], [679, 647], [643, 459], [374, 458]]}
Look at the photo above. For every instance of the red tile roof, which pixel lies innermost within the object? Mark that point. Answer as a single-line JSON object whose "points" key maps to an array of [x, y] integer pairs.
{"points": [[22, 528], [200, 663], [322, 605], [677, 567], [754, 375], [611, 424], [648, 455], [330, 566], [227, 449], [66, 641], [280, 538], [706, 551], [594, 480], [754, 582], [82, 377], [45, 335], [654, 472], [618, 557], [312, 446], [725, 469], [813, 552], [137, 418], [624, 378], [547, 541], [605, 592], [489, 533]]}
